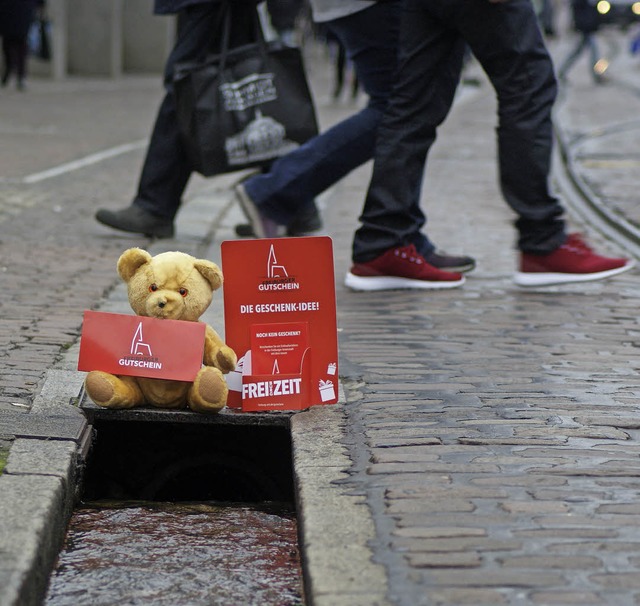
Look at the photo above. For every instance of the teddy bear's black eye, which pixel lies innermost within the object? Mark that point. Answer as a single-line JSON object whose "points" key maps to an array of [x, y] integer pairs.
{"points": [[184, 292], [153, 288]]}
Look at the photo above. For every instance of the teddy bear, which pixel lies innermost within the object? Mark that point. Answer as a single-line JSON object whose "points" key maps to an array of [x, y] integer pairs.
{"points": [[175, 286]]}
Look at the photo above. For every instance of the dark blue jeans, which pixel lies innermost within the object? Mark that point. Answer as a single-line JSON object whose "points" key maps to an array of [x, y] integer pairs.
{"points": [[506, 40], [370, 38]]}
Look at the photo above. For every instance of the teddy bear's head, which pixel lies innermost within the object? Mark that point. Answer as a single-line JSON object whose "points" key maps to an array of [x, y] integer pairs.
{"points": [[172, 285]]}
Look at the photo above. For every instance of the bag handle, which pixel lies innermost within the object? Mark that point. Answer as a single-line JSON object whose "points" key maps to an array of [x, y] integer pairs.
{"points": [[226, 33]]}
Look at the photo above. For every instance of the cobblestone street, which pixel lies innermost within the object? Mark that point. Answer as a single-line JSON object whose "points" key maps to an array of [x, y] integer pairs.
{"points": [[495, 428]]}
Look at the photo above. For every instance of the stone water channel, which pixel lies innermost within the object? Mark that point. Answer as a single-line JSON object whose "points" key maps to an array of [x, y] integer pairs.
{"points": [[180, 508]]}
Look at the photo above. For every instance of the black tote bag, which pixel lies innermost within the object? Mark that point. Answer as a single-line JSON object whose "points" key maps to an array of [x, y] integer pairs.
{"points": [[245, 106]]}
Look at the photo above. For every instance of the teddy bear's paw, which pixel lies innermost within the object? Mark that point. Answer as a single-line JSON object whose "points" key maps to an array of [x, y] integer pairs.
{"points": [[208, 394], [226, 359], [110, 391]]}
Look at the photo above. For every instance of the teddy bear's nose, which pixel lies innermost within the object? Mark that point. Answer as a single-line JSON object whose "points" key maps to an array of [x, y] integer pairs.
{"points": [[161, 304]]}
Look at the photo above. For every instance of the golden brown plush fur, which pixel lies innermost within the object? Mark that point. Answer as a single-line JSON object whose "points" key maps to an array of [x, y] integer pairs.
{"points": [[173, 286]]}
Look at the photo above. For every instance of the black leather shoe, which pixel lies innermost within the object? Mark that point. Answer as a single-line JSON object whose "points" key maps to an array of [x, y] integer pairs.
{"points": [[446, 262], [305, 222], [136, 220]]}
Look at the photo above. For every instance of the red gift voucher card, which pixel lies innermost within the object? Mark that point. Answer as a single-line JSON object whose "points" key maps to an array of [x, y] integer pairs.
{"points": [[123, 344], [280, 318]]}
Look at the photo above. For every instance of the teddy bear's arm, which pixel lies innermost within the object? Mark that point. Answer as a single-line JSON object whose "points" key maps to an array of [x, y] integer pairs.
{"points": [[216, 353]]}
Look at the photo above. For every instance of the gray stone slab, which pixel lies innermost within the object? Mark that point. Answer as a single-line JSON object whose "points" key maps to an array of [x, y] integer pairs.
{"points": [[32, 525], [59, 393], [42, 457], [47, 427], [335, 526]]}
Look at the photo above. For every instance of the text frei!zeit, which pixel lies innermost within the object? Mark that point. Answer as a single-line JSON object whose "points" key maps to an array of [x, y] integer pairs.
{"points": [[274, 308]]}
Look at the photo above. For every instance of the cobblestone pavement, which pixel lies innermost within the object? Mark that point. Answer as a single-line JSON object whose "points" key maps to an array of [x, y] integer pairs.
{"points": [[494, 431], [491, 432], [53, 261]]}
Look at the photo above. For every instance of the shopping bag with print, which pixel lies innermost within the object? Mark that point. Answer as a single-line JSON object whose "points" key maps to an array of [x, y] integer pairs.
{"points": [[245, 106]]}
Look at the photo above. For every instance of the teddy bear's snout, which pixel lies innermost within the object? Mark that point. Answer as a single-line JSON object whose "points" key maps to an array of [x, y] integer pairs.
{"points": [[163, 306]]}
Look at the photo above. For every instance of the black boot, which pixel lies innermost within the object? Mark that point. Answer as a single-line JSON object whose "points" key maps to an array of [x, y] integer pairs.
{"points": [[135, 219]]}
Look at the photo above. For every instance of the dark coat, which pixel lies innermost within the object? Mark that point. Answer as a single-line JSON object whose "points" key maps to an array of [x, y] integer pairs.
{"points": [[169, 7], [586, 18], [16, 16]]}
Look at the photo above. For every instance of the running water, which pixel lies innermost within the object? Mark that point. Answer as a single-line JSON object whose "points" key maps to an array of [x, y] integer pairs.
{"points": [[163, 554]]}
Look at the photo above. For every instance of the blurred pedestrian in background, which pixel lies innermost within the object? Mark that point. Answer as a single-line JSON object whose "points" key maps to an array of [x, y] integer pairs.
{"points": [[546, 16], [167, 169], [634, 43], [16, 17], [342, 67], [586, 22]]}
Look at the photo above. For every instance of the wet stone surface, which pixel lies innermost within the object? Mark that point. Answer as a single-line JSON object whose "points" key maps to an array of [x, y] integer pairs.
{"points": [[166, 554]]}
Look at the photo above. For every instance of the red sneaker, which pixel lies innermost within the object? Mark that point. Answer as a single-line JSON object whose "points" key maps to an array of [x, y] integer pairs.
{"points": [[574, 261], [398, 268]]}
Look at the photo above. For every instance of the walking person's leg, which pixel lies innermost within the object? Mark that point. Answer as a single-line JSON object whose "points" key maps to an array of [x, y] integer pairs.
{"points": [[507, 42], [597, 65], [340, 66], [430, 63], [6, 56], [547, 18], [14, 49], [523, 78], [21, 57], [387, 246], [572, 57], [166, 169], [293, 181], [370, 39]]}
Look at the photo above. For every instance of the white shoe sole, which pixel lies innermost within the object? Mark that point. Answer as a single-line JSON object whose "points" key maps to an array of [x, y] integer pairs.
{"points": [[549, 279], [373, 283]]}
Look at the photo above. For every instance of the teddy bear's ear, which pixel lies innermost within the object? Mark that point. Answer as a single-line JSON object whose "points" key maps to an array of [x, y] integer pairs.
{"points": [[130, 262], [210, 271]]}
